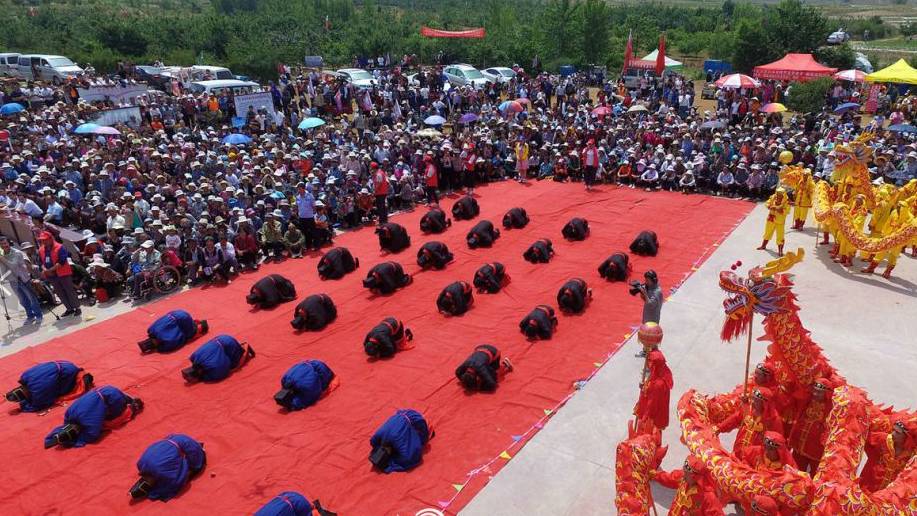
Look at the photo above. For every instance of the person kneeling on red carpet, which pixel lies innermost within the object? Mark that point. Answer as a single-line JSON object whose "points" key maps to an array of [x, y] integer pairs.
{"points": [[483, 369], [314, 313], [172, 331], [399, 443], [540, 323], [290, 503], [304, 384], [101, 409], [216, 359], [270, 291], [387, 338], [43, 385], [167, 466]]}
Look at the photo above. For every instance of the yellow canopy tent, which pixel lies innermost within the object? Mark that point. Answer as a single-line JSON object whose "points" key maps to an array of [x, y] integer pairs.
{"points": [[899, 72]]}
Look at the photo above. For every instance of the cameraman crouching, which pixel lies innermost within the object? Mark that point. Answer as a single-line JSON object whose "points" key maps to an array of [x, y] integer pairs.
{"points": [[651, 294]]}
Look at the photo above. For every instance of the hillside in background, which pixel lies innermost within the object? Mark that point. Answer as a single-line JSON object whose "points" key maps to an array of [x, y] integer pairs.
{"points": [[253, 36]]}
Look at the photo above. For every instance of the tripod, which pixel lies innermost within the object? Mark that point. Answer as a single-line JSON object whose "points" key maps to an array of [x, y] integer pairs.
{"points": [[6, 312]]}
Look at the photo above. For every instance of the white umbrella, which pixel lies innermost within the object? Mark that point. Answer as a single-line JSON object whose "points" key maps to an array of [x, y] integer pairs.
{"points": [[850, 75], [637, 107], [737, 80]]}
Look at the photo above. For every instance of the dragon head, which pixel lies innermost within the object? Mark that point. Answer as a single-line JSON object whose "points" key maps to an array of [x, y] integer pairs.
{"points": [[856, 151], [765, 291], [794, 175]]}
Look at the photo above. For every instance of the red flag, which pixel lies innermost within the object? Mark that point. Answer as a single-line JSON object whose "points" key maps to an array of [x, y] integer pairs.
{"points": [[660, 56], [628, 51]]}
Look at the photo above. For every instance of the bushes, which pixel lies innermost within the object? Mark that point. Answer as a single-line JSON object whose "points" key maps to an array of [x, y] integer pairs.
{"points": [[809, 97]]}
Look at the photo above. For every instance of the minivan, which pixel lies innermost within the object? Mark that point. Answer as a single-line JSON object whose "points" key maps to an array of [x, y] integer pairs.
{"points": [[219, 86], [49, 68], [9, 65]]}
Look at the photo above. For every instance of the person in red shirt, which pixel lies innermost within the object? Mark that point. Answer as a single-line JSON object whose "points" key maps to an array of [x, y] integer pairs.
{"points": [[469, 161], [652, 409], [807, 438], [752, 421], [695, 491], [246, 245], [430, 174], [380, 191], [887, 454], [773, 455]]}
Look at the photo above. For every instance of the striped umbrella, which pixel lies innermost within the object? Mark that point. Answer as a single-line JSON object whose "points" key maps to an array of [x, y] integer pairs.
{"points": [[737, 80], [850, 75]]}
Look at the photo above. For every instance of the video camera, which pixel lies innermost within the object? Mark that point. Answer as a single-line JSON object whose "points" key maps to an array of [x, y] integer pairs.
{"points": [[66, 435]]}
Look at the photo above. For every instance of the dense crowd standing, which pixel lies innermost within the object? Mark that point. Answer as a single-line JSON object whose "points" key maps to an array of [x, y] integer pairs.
{"points": [[169, 191]]}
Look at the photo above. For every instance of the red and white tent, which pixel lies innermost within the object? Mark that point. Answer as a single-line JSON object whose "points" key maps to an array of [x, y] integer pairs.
{"points": [[793, 67], [737, 80]]}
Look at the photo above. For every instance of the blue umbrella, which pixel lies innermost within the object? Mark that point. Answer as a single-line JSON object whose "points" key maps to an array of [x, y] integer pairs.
{"points": [[87, 128], [468, 117], [902, 128], [311, 123], [236, 139], [846, 107], [434, 120], [11, 108]]}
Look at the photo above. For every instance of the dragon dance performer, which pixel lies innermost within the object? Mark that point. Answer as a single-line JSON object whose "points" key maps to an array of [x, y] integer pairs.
{"points": [[858, 213], [752, 422], [803, 202], [763, 505], [898, 216], [652, 409], [695, 491], [809, 429], [773, 455], [887, 454], [778, 207], [783, 403]]}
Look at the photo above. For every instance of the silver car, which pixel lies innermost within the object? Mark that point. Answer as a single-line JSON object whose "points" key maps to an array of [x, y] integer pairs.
{"points": [[465, 75], [499, 74]]}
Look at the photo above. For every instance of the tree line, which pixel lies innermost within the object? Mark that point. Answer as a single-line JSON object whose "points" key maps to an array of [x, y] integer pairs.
{"points": [[252, 37]]}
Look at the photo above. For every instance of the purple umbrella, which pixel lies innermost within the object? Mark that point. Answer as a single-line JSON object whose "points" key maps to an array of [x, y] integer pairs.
{"points": [[107, 131], [468, 118]]}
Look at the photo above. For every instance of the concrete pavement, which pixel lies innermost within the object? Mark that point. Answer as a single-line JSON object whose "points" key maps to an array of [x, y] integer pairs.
{"points": [[865, 324]]}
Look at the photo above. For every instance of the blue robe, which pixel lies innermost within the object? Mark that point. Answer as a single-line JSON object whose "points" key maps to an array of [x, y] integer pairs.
{"points": [[287, 503], [170, 463], [90, 412], [308, 379], [217, 357], [46, 382], [173, 330], [406, 433]]}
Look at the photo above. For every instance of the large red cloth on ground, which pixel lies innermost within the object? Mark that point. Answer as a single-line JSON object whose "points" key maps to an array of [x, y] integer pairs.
{"points": [[793, 67], [254, 451]]}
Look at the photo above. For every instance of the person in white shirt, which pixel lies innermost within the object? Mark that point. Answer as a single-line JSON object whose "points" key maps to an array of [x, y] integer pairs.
{"points": [[229, 254]]}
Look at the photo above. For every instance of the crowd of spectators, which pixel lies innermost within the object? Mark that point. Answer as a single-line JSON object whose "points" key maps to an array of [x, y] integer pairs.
{"points": [[169, 191]]}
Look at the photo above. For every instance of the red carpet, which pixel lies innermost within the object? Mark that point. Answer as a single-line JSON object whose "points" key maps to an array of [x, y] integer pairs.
{"points": [[254, 451]]}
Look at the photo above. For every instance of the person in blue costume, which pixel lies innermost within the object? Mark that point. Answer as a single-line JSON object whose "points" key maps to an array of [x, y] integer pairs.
{"points": [[216, 359], [42, 385], [100, 409], [304, 384], [291, 503], [167, 466], [172, 331], [398, 444]]}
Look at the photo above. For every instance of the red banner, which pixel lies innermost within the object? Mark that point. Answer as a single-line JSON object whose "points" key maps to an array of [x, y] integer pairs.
{"points": [[468, 33], [872, 104]]}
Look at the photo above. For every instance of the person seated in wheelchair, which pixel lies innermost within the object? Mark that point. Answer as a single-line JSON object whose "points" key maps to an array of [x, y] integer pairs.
{"points": [[144, 261]]}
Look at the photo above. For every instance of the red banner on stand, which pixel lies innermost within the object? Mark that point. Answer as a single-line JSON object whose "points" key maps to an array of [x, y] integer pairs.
{"points": [[437, 33]]}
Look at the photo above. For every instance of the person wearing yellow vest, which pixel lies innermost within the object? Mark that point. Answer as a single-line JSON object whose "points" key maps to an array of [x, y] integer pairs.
{"points": [[778, 208], [55, 268]]}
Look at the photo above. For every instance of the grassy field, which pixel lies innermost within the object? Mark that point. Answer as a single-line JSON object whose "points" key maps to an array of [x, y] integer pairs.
{"points": [[898, 43]]}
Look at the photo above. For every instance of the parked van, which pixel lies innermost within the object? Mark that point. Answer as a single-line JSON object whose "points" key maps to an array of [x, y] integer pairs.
{"points": [[47, 68], [9, 65], [219, 86], [204, 73]]}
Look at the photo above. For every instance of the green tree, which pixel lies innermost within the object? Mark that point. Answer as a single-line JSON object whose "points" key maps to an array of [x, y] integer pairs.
{"points": [[596, 30], [841, 57], [809, 97], [729, 7], [752, 46], [795, 27]]}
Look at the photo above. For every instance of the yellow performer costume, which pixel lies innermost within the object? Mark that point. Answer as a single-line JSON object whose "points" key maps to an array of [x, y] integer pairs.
{"points": [[778, 208], [803, 203], [898, 217], [878, 221], [858, 214]]}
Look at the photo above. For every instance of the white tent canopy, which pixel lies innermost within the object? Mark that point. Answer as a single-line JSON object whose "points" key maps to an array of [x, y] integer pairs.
{"points": [[669, 62]]}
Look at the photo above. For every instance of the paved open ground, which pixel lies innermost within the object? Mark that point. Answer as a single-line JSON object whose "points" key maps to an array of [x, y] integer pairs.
{"points": [[866, 326]]}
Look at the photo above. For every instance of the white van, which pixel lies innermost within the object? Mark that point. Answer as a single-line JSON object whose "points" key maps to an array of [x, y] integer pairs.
{"points": [[219, 86], [9, 65], [47, 67], [204, 73]]}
